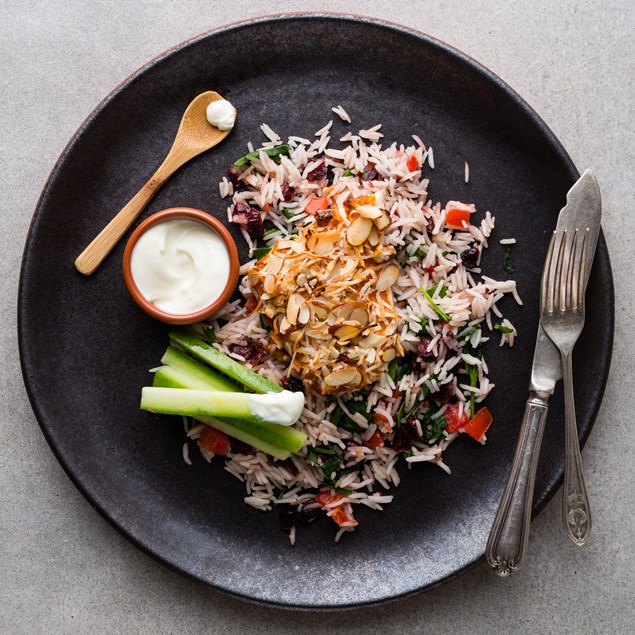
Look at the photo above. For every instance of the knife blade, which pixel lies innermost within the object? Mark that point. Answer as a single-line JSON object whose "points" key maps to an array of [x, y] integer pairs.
{"points": [[507, 542], [583, 209]]}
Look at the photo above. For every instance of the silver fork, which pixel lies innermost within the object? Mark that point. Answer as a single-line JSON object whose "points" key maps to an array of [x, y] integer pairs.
{"points": [[562, 315]]}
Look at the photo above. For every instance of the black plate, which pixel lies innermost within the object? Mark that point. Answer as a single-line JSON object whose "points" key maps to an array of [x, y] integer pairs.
{"points": [[86, 348]]}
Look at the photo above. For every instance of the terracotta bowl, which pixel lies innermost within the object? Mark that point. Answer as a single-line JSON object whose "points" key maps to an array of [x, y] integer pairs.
{"points": [[188, 214]]}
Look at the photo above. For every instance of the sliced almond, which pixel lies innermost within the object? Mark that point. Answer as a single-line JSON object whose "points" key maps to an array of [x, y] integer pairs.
{"points": [[274, 264], [374, 340], [359, 230], [373, 237], [345, 331], [389, 355], [342, 377], [382, 221], [270, 284], [344, 311], [369, 211], [285, 326], [305, 313], [320, 312], [323, 242], [360, 316], [293, 307], [387, 277]]}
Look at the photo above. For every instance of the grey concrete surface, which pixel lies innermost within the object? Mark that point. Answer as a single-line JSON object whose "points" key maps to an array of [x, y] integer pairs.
{"points": [[64, 570]]}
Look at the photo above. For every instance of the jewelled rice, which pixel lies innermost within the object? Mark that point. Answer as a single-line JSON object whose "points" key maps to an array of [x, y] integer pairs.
{"points": [[426, 259]]}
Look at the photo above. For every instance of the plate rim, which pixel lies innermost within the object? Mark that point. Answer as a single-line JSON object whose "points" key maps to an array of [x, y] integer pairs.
{"points": [[354, 18]]}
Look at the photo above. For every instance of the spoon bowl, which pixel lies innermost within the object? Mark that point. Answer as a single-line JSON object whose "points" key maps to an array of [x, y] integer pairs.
{"points": [[194, 136]]}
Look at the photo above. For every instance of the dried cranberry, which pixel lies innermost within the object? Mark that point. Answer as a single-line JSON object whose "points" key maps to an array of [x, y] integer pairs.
{"points": [[323, 217], [251, 303], [249, 218], [370, 173], [469, 257], [288, 192], [288, 518], [406, 434], [234, 176], [317, 173], [250, 352], [445, 393], [430, 224], [238, 447], [293, 384], [310, 514], [425, 354]]}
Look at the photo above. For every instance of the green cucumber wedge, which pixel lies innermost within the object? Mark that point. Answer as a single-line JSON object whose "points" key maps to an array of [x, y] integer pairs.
{"points": [[237, 433], [232, 410], [209, 355], [205, 377], [282, 408]]}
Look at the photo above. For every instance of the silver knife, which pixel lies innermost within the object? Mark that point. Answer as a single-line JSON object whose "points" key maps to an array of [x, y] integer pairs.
{"points": [[507, 542]]}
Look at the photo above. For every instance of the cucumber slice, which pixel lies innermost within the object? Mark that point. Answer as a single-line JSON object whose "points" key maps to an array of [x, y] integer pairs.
{"points": [[232, 406], [230, 367], [203, 376], [232, 431]]}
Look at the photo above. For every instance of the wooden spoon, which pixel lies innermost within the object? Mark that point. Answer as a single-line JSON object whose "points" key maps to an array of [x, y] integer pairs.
{"points": [[195, 135]]}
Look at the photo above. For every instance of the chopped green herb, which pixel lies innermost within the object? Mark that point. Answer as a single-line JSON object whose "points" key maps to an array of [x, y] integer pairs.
{"points": [[348, 172], [503, 329], [289, 213], [209, 334], [263, 323], [433, 428], [340, 419], [442, 314], [261, 252], [472, 373], [400, 412], [420, 253], [274, 153], [343, 492], [506, 260], [392, 368], [442, 293], [270, 233], [346, 470]]}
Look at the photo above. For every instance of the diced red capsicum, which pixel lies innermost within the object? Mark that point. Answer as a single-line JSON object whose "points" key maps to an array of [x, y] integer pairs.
{"points": [[327, 496], [412, 163], [212, 440], [455, 217], [343, 517], [479, 423], [455, 420], [315, 204], [375, 440]]}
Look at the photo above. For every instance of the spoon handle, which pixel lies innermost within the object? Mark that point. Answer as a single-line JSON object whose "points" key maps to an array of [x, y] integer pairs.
{"points": [[110, 235]]}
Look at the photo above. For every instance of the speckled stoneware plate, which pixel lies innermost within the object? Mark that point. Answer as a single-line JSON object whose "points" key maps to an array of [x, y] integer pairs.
{"points": [[86, 348]]}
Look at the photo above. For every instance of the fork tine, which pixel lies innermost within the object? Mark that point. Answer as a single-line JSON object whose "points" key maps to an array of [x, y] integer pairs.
{"points": [[571, 286], [559, 275], [581, 271], [545, 284]]}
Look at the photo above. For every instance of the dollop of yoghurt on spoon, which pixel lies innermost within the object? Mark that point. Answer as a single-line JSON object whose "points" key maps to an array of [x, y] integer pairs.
{"points": [[222, 114]]}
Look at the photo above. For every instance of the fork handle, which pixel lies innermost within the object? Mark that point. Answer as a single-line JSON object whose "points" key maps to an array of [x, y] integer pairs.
{"points": [[507, 542], [576, 512]]}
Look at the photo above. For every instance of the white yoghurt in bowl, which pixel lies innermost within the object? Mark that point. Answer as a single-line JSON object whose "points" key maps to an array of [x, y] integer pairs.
{"points": [[181, 266]]}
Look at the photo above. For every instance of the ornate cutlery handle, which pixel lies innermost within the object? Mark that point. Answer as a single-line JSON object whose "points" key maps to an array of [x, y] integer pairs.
{"points": [[507, 542], [576, 514]]}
